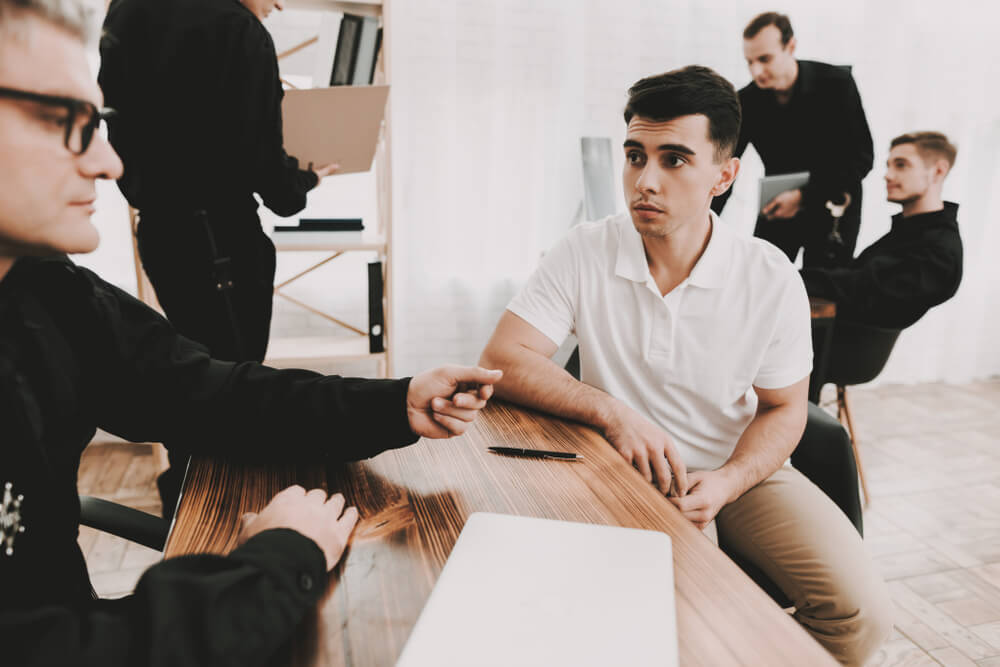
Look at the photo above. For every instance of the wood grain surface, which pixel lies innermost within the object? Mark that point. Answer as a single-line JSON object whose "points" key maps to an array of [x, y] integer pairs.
{"points": [[413, 503], [821, 309]]}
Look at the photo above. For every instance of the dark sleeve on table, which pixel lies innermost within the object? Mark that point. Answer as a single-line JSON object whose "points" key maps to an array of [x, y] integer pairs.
{"points": [[719, 202], [274, 175], [192, 610], [155, 385], [850, 152], [893, 289]]}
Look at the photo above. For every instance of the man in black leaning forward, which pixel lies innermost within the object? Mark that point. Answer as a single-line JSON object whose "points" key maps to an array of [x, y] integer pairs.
{"points": [[802, 115], [918, 264], [77, 353]]}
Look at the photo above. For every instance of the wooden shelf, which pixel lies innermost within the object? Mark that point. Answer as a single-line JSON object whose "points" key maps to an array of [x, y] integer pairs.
{"points": [[313, 348], [327, 241], [360, 7]]}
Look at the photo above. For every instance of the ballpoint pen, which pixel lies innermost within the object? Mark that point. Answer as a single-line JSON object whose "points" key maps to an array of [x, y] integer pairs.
{"points": [[536, 453]]}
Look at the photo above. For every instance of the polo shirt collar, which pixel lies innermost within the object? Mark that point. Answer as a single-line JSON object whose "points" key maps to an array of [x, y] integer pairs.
{"points": [[709, 272]]}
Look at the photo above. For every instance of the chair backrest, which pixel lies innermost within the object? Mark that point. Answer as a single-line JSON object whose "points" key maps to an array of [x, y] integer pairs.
{"points": [[859, 352], [599, 194]]}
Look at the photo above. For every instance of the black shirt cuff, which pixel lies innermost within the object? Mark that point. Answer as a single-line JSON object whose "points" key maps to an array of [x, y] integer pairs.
{"points": [[293, 560]]}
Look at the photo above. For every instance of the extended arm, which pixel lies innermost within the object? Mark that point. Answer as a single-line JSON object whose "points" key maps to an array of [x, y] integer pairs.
{"points": [[900, 287]]}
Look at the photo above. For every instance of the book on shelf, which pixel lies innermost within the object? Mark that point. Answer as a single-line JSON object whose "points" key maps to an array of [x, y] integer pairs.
{"points": [[356, 53]]}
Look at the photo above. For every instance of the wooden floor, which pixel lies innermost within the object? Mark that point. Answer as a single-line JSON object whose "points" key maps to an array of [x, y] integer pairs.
{"points": [[932, 457]]}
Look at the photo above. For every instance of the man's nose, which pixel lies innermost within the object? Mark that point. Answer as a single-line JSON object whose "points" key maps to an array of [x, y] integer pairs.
{"points": [[100, 160], [279, 5], [755, 70], [647, 182]]}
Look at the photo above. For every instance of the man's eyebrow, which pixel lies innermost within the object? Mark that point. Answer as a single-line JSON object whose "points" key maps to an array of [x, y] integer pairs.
{"points": [[676, 148]]}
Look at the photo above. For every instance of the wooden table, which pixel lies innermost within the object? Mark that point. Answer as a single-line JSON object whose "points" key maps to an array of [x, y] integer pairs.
{"points": [[413, 503]]}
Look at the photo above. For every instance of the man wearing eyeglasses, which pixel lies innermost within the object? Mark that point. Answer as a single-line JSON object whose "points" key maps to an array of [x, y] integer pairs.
{"points": [[77, 353]]}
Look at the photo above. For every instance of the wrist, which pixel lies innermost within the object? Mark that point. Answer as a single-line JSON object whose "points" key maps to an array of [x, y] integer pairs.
{"points": [[605, 413], [734, 480]]}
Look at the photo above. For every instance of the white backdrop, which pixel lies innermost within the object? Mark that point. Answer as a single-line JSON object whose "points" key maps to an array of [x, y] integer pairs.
{"points": [[490, 99]]}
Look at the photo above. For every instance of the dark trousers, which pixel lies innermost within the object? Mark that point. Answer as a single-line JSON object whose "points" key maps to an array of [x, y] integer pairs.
{"points": [[177, 255], [810, 230]]}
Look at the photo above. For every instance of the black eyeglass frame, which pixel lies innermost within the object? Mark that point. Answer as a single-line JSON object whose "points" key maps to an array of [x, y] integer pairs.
{"points": [[74, 107]]}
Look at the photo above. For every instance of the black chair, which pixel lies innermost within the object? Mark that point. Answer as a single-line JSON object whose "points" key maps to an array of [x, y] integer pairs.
{"points": [[858, 353], [825, 457], [126, 522]]}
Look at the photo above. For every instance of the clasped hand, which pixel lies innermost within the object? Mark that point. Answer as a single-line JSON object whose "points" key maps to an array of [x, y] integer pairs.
{"points": [[443, 402], [699, 495]]}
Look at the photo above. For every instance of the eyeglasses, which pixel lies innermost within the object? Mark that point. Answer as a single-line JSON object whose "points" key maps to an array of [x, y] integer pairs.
{"points": [[81, 121]]}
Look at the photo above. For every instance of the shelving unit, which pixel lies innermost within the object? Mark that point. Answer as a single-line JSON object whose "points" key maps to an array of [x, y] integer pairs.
{"points": [[377, 238]]}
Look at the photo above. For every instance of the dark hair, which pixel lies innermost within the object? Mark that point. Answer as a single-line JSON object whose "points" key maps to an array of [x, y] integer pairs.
{"points": [[929, 143], [687, 91], [779, 21]]}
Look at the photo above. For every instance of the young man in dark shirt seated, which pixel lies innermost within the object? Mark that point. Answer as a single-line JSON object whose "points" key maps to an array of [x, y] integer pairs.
{"points": [[77, 353], [918, 264]]}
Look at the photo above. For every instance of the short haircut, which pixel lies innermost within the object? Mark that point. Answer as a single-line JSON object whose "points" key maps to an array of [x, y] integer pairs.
{"points": [[779, 21], [77, 17], [930, 145], [688, 91]]}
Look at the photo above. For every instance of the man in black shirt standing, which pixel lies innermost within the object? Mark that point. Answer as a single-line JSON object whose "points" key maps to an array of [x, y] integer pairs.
{"points": [[918, 264], [195, 84], [802, 115], [198, 127], [77, 353]]}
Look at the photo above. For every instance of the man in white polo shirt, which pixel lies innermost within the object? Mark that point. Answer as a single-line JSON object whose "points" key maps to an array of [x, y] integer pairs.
{"points": [[695, 356]]}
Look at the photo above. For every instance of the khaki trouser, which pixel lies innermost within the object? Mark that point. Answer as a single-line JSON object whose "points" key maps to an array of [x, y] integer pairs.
{"points": [[799, 538]]}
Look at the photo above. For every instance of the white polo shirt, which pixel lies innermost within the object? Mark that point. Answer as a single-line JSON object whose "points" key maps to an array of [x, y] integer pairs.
{"points": [[688, 360]]}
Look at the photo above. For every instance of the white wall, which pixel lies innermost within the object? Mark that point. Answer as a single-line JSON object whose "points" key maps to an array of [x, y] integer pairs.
{"points": [[490, 99]]}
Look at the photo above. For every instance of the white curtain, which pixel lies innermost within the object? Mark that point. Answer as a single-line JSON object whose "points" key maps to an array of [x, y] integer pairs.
{"points": [[490, 99]]}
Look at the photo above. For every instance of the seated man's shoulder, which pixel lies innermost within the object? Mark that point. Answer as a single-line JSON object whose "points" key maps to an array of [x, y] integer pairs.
{"points": [[597, 237], [762, 259], [58, 278]]}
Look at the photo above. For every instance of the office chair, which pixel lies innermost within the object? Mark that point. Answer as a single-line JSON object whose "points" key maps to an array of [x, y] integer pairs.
{"points": [[126, 522], [858, 354]]}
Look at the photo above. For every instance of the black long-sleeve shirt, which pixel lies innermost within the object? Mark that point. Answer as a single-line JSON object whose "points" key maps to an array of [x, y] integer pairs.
{"points": [[822, 129], [77, 353], [195, 84], [897, 279]]}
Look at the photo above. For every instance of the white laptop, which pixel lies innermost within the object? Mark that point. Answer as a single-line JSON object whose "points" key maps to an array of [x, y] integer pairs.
{"points": [[523, 591]]}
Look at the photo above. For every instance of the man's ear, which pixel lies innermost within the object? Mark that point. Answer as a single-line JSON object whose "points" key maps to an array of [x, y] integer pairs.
{"points": [[790, 47], [941, 169], [726, 176]]}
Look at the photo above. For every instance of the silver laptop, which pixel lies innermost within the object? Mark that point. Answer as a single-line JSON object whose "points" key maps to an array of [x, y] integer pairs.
{"points": [[523, 591]]}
